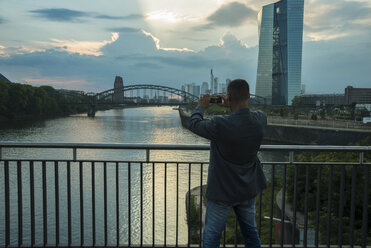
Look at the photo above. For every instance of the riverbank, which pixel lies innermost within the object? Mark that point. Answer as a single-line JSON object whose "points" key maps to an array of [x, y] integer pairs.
{"points": [[303, 135]]}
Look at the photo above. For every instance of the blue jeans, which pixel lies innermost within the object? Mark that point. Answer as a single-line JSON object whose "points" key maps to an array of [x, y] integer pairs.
{"points": [[217, 214]]}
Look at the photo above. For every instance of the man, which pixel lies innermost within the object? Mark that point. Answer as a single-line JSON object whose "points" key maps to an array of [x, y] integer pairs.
{"points": [[235, 175]]}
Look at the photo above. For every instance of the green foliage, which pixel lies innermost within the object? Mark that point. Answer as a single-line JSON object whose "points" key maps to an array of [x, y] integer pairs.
{"points": [[217, 110], [284, 112], [322, 114], [194, 220], [314, 117], [20, 101], [297, 101]]}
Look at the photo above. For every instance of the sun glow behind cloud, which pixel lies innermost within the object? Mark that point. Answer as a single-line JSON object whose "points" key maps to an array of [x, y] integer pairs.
{"points": [[167, 16], [158, 47], [80, 47]]}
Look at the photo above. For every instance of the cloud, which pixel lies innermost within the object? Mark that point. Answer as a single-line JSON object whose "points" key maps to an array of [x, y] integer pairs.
{"points": [[69, 15], [125, 30], [133, 17], [333, 21], [60, 15], [167, 16], [158, 47], [190, 62], [135, 57], [232, 14], [80, 47], [127, 17], [147, 65], [2, 20], [108, 17], [3, 52], [229, 40]]}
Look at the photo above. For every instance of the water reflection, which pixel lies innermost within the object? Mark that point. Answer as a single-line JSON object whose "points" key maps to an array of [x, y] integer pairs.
{"points": [[155, 125]]}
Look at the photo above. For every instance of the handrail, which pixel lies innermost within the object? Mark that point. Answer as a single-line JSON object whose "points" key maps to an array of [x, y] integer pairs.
{"points": [[141, 146]]}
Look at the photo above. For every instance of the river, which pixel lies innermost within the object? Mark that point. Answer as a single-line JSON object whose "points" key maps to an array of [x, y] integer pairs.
{"points": [[152, 125]]}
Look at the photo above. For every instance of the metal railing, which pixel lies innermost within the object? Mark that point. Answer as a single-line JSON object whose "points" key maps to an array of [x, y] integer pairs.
{"points": [[328, 123], [131, 202]]}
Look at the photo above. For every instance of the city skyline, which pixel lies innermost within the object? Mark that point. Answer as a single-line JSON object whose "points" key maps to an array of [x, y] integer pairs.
{"points": [[72, 45]]}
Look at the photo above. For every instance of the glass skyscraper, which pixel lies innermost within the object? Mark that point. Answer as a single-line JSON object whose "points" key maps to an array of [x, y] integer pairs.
{"points": [[280, 51]]}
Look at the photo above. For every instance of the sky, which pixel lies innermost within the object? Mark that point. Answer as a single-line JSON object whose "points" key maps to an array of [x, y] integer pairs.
{"points": [[84, 44]]}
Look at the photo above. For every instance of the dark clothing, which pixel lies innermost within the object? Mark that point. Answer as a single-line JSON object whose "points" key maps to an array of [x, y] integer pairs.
{"points": [[235, 173]]}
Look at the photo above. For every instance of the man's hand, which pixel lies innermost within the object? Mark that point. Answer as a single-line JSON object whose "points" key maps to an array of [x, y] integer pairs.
{"points": [[204, 101], [225, 102]]}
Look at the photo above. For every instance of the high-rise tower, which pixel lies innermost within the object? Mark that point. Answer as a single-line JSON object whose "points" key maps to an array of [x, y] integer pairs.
{"points": [[280, 51], [211, 82]]}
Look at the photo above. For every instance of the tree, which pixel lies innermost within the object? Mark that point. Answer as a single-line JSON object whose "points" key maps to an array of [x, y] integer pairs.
{"points": [[314, 117], [322, 114], [284, 112], [4, 97], [297, 101]]}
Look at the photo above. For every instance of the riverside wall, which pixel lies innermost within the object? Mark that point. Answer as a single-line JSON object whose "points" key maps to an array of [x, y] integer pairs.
{"points": [[303, 135]]}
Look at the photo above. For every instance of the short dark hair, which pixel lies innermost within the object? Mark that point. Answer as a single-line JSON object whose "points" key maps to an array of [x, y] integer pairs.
{"points": [[239, 90]]}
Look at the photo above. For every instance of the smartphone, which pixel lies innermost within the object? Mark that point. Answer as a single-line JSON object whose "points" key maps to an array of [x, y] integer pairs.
{"points": [[216, 99]]}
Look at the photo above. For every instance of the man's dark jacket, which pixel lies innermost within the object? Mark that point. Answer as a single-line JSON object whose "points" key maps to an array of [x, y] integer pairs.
{"points": [[235, 173]]}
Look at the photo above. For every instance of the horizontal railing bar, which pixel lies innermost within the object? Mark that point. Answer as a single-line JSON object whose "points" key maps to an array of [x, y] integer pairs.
{"points": [[178, 147], [173, 163], [193, 245], [109, 161], [105, 146], [314, 163]]}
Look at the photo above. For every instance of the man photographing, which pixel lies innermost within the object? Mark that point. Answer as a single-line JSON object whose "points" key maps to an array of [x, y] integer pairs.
{"points": [[235, 175]]}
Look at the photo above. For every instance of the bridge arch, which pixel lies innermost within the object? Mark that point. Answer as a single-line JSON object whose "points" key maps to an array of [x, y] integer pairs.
{"points": [[186, 96]]}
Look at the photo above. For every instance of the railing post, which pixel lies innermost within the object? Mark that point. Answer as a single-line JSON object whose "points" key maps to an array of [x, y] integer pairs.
{"points": [[147, 155], [74, 154], [291, 157]]}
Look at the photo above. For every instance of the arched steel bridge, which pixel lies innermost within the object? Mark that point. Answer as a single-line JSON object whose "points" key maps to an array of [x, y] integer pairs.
{"points": [[187, 97]]}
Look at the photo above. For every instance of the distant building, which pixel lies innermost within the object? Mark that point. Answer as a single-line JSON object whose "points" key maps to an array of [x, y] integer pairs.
{"points": [[323, 99], [205, 88], [357, 95], [221, 88], [280, 27], [118, 94], [196, 90], [215, 86], [211, 82], [227, 81], [163, 99], [302, 92], [192, 89]]}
